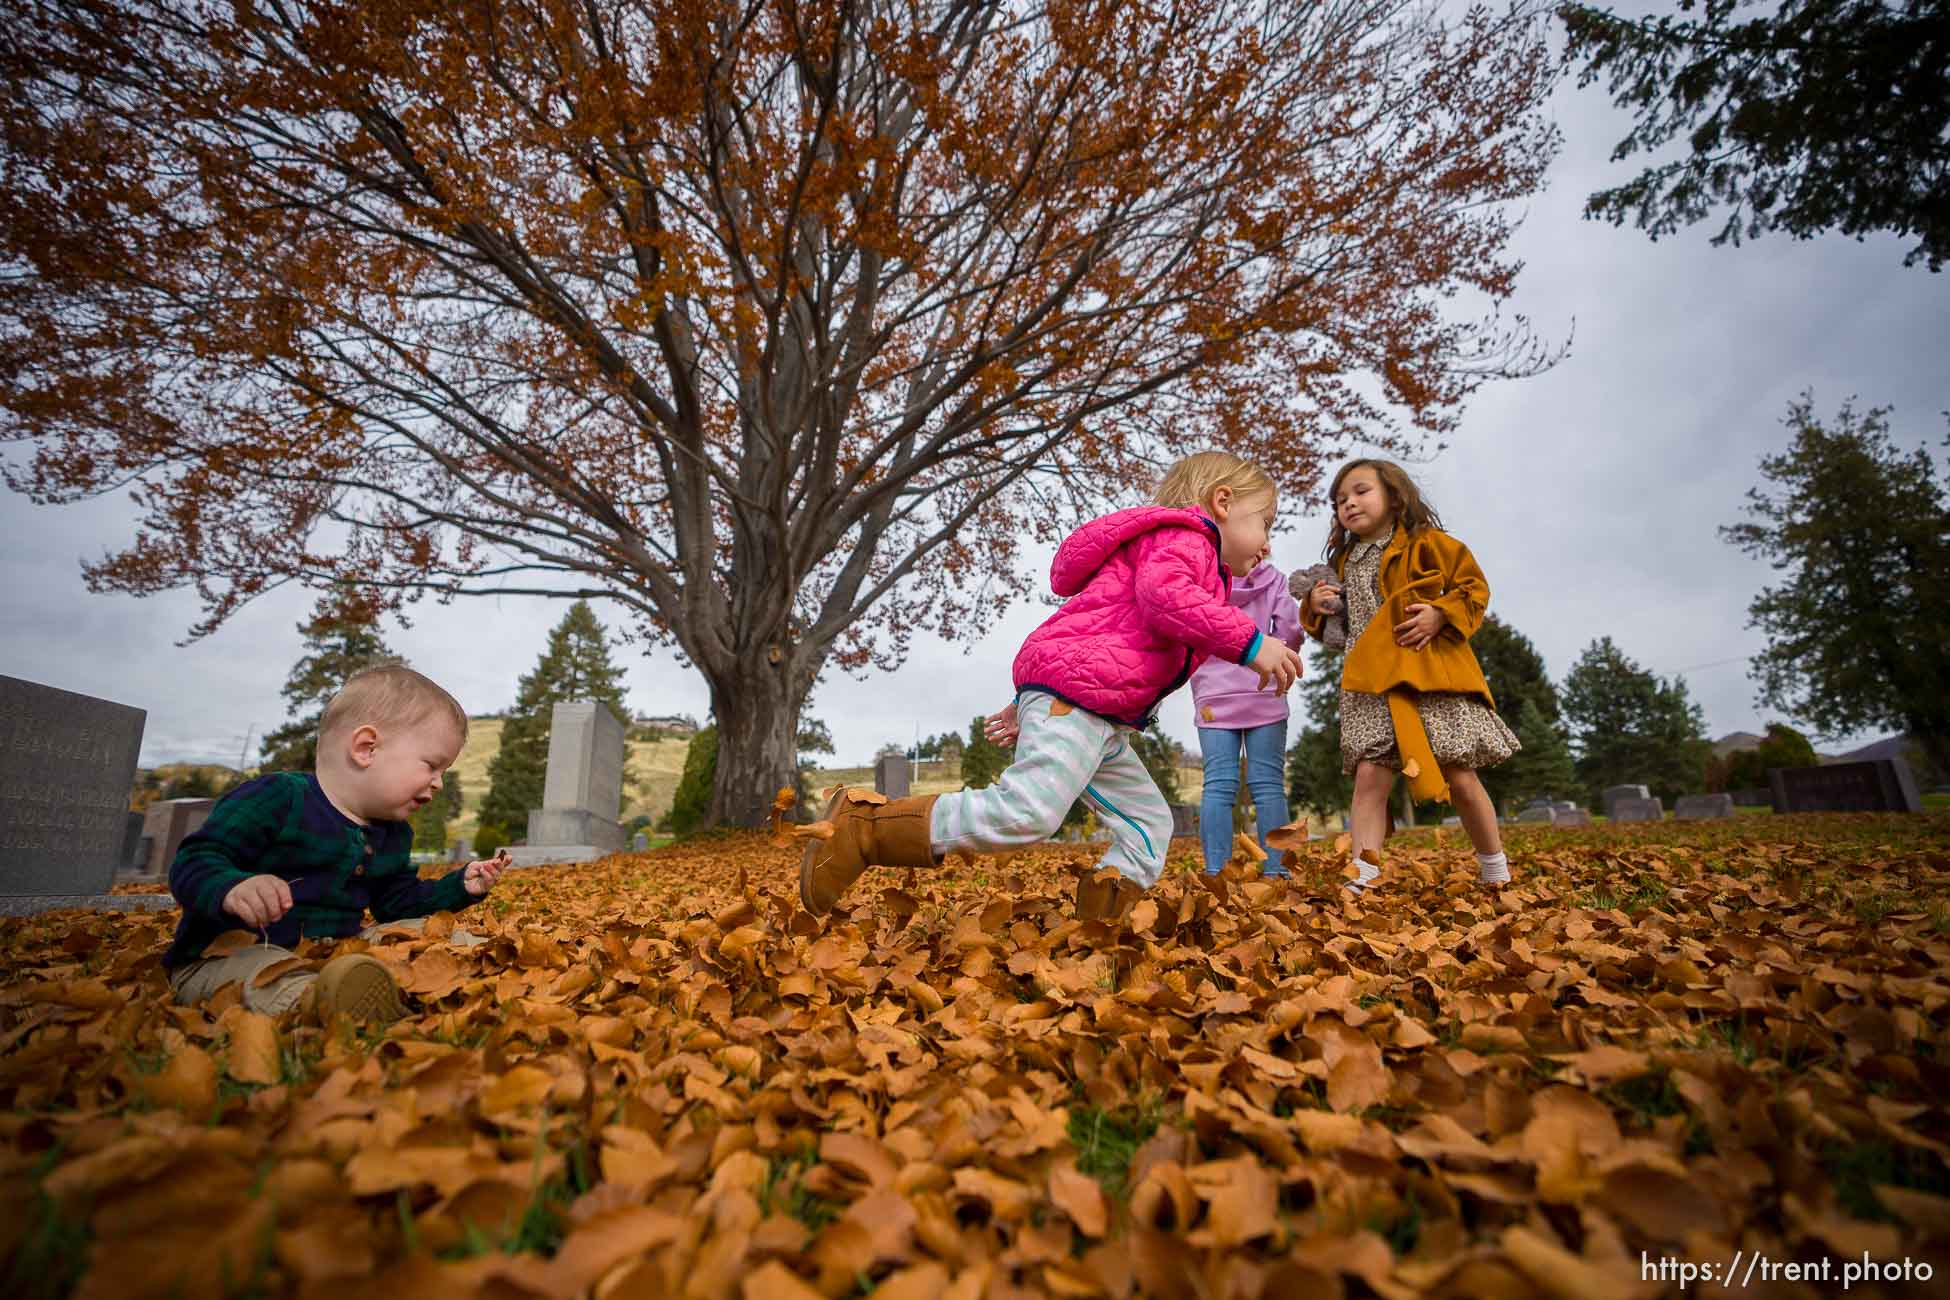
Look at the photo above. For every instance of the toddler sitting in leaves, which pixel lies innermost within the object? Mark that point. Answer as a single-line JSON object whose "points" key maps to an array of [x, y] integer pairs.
{"points": [[293, 855]]}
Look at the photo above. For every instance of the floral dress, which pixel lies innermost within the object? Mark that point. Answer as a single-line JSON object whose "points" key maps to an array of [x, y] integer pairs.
{"points": [[1463, 731]]}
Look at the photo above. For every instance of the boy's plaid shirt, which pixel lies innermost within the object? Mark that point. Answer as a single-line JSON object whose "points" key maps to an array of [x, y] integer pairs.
{"points": [[283, 825]]}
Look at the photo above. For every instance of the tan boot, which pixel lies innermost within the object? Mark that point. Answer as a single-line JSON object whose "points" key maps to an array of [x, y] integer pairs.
{"points": [[1106, 896], [892, 833], [358, 987]]}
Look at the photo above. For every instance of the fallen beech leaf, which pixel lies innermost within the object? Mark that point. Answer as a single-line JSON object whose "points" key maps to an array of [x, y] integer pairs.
{"points": [[188, 1081], [774, 1281], [813, 831], [525, 1085], [1292, 836], [1568, 1276], [253, 1056], [230, 943], [1343, 842], [1079, 1196]]}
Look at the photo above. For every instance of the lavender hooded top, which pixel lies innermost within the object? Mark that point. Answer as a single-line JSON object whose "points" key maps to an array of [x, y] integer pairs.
{"points": [[1227, 694]]}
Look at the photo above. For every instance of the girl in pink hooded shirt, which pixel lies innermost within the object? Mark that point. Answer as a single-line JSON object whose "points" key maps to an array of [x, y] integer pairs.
{"points": [[1147, 603]]}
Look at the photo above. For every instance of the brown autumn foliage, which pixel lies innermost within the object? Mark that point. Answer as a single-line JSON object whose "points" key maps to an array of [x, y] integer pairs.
{"points": [[659, 1078], [621, 298]]}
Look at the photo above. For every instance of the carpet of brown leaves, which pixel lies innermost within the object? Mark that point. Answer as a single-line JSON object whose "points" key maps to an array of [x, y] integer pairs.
{"points": [[658, 1078]]}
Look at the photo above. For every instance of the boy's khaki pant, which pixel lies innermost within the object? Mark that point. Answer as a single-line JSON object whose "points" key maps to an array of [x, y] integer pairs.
{"points": [[201, 979]]}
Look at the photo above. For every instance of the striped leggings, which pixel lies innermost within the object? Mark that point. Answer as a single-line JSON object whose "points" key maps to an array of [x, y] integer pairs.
{"points": [[1063, 754]]}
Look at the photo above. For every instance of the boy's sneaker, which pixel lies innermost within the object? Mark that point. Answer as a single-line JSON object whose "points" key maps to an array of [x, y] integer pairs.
{"points": [[358, 987]]}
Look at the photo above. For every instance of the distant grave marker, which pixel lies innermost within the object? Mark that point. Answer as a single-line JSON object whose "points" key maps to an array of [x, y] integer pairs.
{"points": [[1637, 810], [1703, 807], [892, 776], [1613, 793], [165, 825], [583, 791], [1878, 785], [67, 764]]}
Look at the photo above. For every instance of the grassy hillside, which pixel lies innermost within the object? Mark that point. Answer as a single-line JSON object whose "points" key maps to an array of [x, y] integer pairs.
{"points": [[655, 765]]}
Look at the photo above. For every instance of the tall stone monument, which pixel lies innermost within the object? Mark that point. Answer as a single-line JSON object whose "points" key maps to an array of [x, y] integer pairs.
{"points": [[890, 775], [583, 791], [67, 763]]}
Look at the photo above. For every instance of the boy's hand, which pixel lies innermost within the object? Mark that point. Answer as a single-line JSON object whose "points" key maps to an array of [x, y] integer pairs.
{"points": [[1000, 726], [1420, 627], [259, 900], [1277, 661], [479, 877]]}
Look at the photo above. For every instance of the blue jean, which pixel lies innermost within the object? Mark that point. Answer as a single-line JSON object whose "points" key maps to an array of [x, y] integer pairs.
{"points": [[1265, 776]]}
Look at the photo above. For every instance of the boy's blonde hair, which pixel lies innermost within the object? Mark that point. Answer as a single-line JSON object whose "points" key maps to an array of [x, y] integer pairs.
{"points": [[390, 695], [1193, 480]]}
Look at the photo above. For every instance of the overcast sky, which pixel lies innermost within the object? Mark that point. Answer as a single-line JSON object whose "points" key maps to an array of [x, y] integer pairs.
{"points": [[1590, 495]]}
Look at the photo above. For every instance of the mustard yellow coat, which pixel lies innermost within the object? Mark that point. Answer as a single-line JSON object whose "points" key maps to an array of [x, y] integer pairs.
{"points": [[1425, 567]]}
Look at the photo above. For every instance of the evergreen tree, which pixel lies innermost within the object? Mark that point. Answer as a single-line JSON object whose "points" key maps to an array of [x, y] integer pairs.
{"points": [[1543, 768], [575, 665], [431, 822], [1632, 726], [1314, 780], [1858, 632], [1821, 115], [690, 807], [1746, 769], [341, 638], [1516, 677], [982, 760]]}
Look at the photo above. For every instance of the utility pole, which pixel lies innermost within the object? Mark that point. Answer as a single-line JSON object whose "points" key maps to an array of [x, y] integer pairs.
{"points": [[245, 751]]}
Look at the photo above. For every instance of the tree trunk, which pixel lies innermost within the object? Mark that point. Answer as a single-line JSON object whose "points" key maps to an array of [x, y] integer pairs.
{"points": [[758, 725]]}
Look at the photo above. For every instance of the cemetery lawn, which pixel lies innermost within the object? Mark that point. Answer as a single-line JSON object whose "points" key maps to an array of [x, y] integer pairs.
{"points": [[657, 1077]]}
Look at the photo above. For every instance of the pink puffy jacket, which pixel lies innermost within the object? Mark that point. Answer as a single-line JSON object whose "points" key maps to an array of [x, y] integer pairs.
{"points": [[1147, 605]]}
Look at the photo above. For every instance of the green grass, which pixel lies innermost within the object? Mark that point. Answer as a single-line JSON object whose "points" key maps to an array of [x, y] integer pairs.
{"points": [[782, 1192], [1401, 1231], [1108, 1139], [53, 1252], [1857, 1168]]}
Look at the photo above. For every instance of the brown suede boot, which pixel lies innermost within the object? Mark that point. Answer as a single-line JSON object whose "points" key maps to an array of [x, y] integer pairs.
{"points": [[888, 833], [1106, 896]]}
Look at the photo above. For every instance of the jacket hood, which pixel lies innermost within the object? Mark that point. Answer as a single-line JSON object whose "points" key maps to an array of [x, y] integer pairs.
{"points": [[1084, 551], [1256, 580]]}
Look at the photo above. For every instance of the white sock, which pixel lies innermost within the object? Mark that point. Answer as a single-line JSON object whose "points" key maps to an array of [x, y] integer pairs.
{"points": [[1368, 872], [1494, 868]]}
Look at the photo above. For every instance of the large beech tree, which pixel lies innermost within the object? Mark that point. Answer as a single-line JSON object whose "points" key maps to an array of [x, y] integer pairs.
{"points": [[783, 325]]}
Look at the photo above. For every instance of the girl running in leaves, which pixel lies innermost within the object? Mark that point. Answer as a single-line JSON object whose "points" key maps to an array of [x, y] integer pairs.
{"points": [[1413, 699], [1147, 603]]}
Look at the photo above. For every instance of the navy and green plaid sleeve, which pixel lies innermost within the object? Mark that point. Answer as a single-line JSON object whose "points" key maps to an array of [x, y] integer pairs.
{"points": [[228, 847], [403, 894]]}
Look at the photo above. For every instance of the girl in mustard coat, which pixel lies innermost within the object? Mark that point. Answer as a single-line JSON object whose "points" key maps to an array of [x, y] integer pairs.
{"points": [[1413, 698]]}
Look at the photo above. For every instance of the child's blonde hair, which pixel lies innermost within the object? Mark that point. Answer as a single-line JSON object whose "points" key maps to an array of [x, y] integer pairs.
{"points": [[1193, 480], [1405, 500], [390, 695]]}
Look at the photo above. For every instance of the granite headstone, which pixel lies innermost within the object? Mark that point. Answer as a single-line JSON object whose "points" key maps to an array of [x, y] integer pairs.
{"points": [[891, 775], [165, 825], [1703, 807], [1878, 785], [1637, 810], [67, 764], [1613, 793], [582, 794]]}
